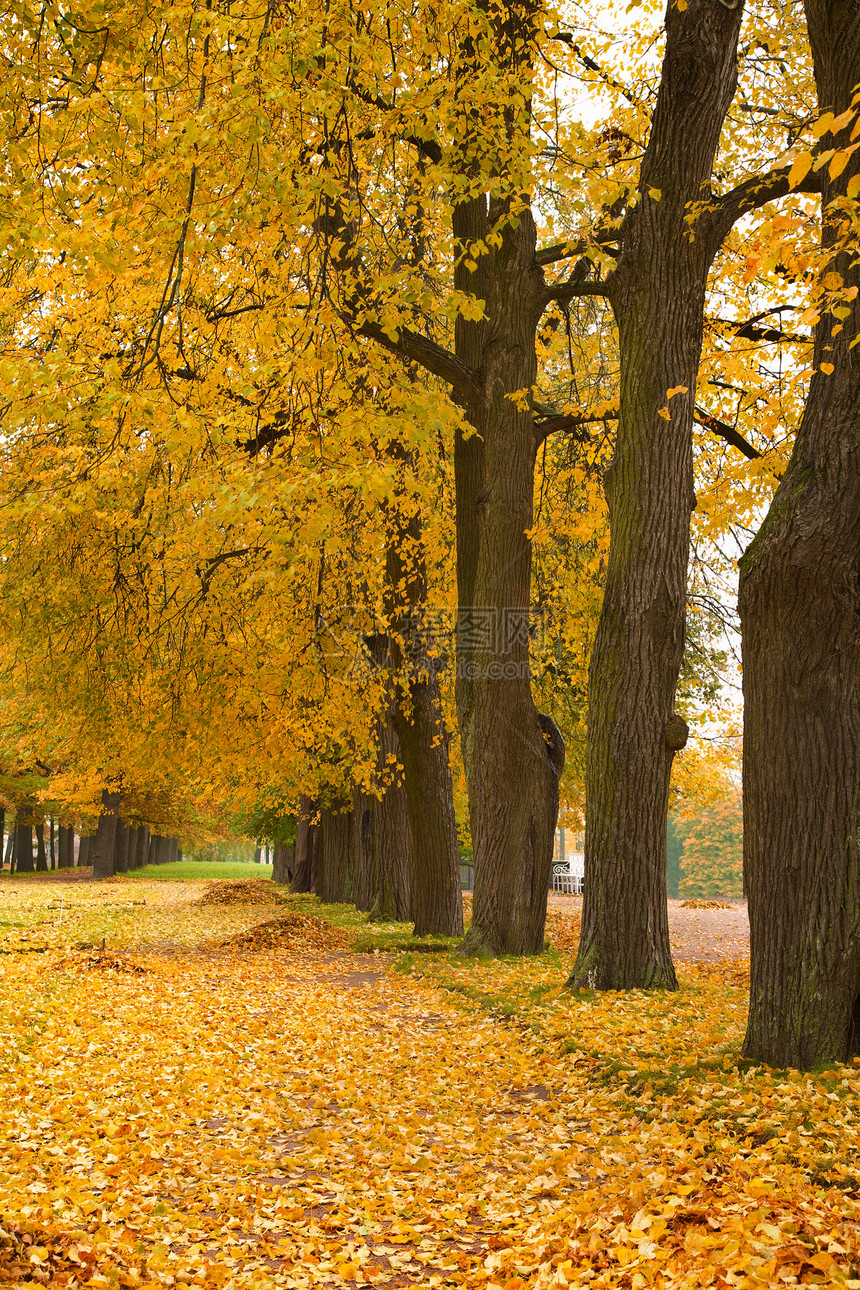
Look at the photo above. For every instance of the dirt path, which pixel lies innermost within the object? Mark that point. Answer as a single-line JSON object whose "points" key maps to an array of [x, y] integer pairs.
{"points": [[312, 1119], [696, 935], [251, 1120]]}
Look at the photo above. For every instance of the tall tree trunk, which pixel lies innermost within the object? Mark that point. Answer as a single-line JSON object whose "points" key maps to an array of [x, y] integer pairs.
{"points": [[437, 903], [334, 881], [513, 784], [52, 841], [142, 846], [800, 609], [24, 840], [393, 866], [307, 842], [362, 844], [121, 848], [10, 843], [84, 848], [283, 862], [66, 846], [103, 844], [658, 295], [134, 848], [41, 853]]}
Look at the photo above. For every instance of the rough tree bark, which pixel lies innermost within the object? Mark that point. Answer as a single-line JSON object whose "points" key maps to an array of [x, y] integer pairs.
{"points": [[800, 620], [334, 880], [283, 863], [657, 293], [513, 783], [84, 847], [103, 843], [24, 840], [416, 712], [41, 853], [392, 836], [307, 844]]}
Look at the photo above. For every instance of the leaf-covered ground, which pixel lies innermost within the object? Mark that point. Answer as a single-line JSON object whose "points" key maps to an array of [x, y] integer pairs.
{"points": [[200, 1104]]}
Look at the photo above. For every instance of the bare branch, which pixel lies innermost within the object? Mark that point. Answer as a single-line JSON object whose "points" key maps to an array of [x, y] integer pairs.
{"points": [[771, 335], [726, 432]]}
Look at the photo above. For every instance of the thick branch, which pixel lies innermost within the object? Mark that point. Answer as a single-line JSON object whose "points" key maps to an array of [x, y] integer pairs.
{"points": [[772, 335], [751, 195], [563, 424], [726, 432], [607, 240], [434, 358], [568, 290]]}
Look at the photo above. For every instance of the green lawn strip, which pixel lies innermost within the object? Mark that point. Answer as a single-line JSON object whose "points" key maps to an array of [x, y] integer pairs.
{"points": [[194, 870]]}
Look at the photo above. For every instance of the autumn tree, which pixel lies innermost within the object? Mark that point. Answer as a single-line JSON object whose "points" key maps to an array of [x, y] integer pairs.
{"points": [[798, 603], [666, 247], [712, 854]]}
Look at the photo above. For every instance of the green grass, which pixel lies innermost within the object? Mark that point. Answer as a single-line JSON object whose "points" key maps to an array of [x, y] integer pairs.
{"points": [[388, 938], [194, 870]]}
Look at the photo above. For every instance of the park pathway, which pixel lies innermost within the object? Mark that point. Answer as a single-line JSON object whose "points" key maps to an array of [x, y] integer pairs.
{"points": [[181, 1112]]}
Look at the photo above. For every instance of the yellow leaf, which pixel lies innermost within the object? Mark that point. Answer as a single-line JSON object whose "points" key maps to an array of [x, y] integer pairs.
{"points": [[853, 187], [838, 164], [827, 368], [800, 169], [655, 194], [839, 123]]}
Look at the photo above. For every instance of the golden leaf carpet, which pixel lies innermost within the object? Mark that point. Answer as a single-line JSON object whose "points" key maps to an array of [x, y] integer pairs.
{"points": [[188, 1102]]}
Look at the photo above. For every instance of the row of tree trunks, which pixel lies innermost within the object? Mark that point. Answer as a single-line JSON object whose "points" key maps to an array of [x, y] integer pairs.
{"points": [[414, 710], [131, 846], [117, 847]]}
